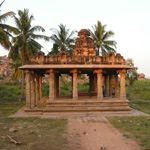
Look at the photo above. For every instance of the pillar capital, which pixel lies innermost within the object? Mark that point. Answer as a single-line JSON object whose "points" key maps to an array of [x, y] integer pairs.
{"points": [[75, 71], [98, 71], [51, 71], [121, 71], [26, 71]]}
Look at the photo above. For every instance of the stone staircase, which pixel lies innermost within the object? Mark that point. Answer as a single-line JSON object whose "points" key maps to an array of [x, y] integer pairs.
{"points": [[105, 106]]}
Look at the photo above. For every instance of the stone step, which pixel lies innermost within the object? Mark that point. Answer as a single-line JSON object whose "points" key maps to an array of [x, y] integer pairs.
{"points": [[86, 109], [88, 103]]}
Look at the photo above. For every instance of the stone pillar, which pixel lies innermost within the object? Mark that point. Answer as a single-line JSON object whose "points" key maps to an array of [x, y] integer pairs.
{"points": [[40, 86], [107, 85], [37, 89], [28, 89], [116, 84], [75, 85], [51, 85], [32, 90], [99, 84], [110, 85], [122, 84]]}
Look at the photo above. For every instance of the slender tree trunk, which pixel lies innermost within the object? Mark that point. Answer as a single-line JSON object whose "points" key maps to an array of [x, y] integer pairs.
{"points": [[103, 53], [22, 98]]}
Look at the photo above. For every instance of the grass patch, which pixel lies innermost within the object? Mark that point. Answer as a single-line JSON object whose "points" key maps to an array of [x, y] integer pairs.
{"points": [[138, 126], [34, 133], [141, 105], [139, 95], [139, 90]]}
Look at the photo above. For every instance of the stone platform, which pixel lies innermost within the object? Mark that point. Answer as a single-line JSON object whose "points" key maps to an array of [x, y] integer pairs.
{"points": [[84, 105]]}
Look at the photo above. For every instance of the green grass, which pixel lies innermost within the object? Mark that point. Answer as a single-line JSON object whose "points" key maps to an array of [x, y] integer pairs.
{"points": [[141, 105], [139, 90], [134, 127], [65, 89], [139, 95], [33, 133], [45, 134]]}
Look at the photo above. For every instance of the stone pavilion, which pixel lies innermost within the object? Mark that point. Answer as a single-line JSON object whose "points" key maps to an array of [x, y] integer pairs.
{"points": [[106, 74]]}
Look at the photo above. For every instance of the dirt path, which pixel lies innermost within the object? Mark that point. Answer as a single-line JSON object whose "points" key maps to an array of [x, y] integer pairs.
{"points": [[97, 133]]}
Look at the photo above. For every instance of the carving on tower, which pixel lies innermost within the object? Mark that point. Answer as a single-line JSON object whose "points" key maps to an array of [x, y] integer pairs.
{"points": [[84, 45]]}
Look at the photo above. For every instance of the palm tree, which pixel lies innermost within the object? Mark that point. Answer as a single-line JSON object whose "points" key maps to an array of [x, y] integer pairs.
{"points": [[24, 44], [62, 39], [6, 30], [100, 37]]}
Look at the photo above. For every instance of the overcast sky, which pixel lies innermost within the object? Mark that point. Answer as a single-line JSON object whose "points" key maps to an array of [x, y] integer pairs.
{"points": [[128, 19]]}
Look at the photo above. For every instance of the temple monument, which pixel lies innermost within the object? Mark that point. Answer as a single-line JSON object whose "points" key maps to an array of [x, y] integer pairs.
{"points": [[106, 94]]}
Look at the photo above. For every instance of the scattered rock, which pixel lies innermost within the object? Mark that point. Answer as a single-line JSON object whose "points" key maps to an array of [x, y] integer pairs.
{"points": [[5, 128], [12, 130], [39, 135], [3, 137], [39, 125], [20, 127], [102, 148]]}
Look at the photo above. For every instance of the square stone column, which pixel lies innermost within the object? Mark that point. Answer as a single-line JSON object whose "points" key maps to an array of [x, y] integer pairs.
{"points": [[28, 88], [74, 84], [122, 84], [32, 90], [37, 89], [116, 84], [99, 84], [51, 85]]}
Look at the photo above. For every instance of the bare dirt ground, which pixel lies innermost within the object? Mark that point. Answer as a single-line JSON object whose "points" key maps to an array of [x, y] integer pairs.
{"points": [[97, 133], [92, 131]]}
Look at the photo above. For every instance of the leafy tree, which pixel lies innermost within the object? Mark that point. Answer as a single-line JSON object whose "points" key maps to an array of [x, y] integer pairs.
{"points": [[62, 39], [131, 75], [100, 37], [54, 50], [6, 30], [25, 44]]}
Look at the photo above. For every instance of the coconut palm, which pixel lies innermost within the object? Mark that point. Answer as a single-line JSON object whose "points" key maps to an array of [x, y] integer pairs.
{"points": [[6, 30], [24, 44], [100, 37], [62, 39]]}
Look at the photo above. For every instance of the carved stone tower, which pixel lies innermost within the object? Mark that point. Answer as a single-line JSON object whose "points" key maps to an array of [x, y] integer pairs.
{"points": [[84, 45]]}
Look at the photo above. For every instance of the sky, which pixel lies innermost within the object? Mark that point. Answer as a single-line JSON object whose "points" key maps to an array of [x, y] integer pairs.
{"points": [[128, 19]]}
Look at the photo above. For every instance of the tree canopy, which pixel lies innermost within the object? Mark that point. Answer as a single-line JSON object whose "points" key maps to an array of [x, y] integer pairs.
{"points": [[62, 39], [101, 39], [131, 75], [6, 30], [25, 44]]}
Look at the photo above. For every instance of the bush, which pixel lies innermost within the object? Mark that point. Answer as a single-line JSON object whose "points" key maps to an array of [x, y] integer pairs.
{"points": [[139, 90]]}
